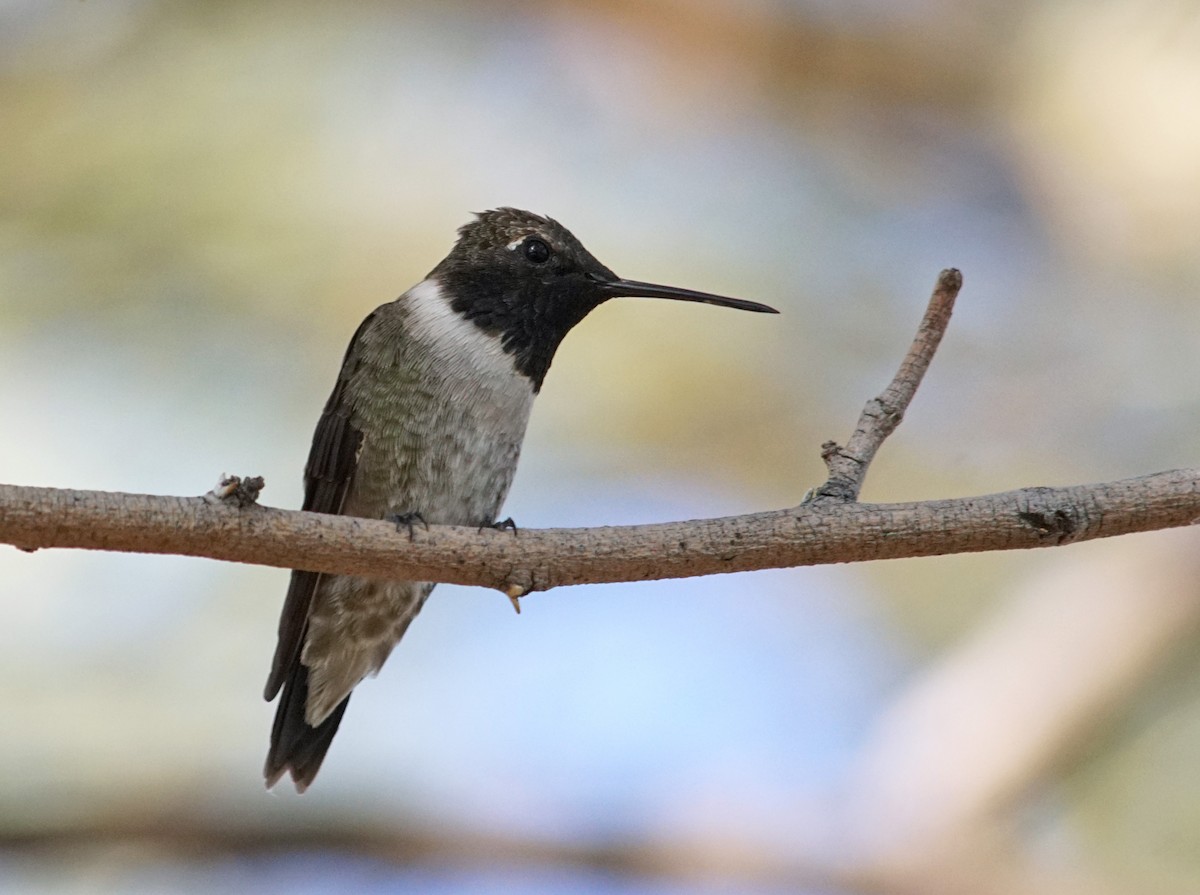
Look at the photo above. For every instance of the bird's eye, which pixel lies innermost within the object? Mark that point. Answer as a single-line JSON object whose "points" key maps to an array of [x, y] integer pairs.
{"points": [[537, 251]]}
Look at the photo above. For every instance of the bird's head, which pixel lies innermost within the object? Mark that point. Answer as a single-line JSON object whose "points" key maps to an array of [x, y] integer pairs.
{"points": [[527, 279]]}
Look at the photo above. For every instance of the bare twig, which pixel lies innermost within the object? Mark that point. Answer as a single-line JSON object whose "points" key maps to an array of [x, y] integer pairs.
{"points": [[811, 534], [848, 465]]}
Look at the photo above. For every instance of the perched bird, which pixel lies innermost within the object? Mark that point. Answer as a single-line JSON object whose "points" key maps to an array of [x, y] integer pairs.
{"points": [[424, 426]]}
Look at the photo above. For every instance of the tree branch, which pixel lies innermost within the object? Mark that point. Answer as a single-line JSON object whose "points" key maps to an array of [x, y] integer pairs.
{"points": [[813, 533], [829, 527]]}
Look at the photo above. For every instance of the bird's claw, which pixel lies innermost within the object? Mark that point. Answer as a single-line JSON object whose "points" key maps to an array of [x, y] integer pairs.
{"points": [[407, 521], [501, 525]]}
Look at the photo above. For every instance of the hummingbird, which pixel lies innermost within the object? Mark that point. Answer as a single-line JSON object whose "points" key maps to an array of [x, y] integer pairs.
{"points": [[424, 425]]}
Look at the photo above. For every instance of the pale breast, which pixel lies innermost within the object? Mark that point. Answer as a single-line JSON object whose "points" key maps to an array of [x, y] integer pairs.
{"points": [[442, 411]]}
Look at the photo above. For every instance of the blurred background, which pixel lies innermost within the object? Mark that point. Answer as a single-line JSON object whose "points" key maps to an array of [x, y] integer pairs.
{"points": [[200, 201]]}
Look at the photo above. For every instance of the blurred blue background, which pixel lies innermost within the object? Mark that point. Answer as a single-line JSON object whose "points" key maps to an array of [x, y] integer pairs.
{"points": [[200, 201]]}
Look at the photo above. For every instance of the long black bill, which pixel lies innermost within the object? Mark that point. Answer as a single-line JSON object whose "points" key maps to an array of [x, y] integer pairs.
{"points": [[634, 289]]}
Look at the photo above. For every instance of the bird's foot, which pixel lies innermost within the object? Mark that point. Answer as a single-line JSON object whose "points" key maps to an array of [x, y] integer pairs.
{"points": [[408, 521], [501, 525]]}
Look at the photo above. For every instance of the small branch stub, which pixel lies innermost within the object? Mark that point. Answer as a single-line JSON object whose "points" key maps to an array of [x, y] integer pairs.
{"points": [[882, 414], [514, 592], [241, 492]]}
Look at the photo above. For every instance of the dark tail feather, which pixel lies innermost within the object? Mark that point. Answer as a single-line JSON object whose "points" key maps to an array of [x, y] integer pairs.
{"points": [[295, 746]]}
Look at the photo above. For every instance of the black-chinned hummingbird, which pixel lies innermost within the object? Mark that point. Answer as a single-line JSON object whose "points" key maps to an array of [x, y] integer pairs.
{"points": [[425, 424]]}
